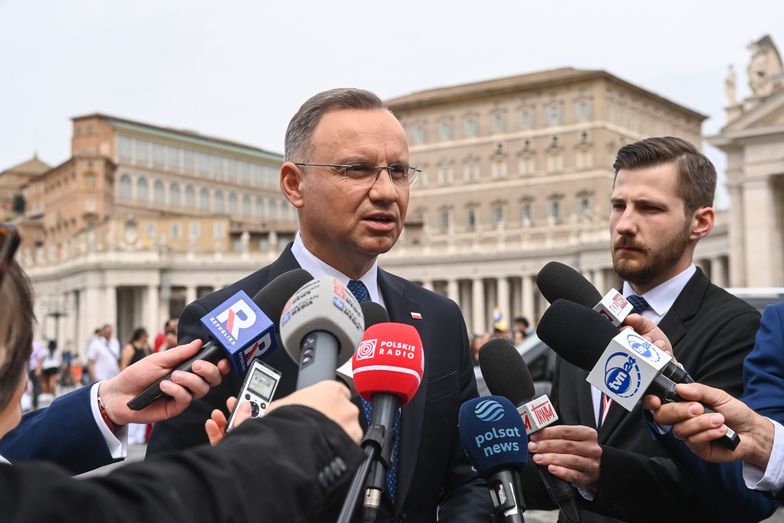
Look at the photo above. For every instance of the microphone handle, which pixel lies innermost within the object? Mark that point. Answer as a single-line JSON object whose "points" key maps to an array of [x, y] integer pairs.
{"points": [[318, 358], [350, 503], [664, 388], [384, 409], [374, 490], [211, 352], [562, 493], [507, 496]]}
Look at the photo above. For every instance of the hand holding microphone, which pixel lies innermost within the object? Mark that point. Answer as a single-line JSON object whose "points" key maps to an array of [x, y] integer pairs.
{"points": [[242, 329], [507, 375], [623, 365]]}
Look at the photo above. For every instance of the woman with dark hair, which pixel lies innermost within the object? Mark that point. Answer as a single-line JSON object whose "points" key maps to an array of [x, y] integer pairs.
{"points": [[136, 349], [49, 369]]}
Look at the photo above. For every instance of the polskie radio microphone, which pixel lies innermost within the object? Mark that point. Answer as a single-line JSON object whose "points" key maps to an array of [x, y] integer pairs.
{"points": [[320, 326], [558, 281], [507, 375], [373, 313], [494, 439], [388, 367], [623, 365], [241, 330]]}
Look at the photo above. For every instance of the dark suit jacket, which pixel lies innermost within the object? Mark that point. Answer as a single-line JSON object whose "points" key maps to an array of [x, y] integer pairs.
{"points": [[711, 332], [265, 470], [722, 486], [64, 433], [433, 467]]}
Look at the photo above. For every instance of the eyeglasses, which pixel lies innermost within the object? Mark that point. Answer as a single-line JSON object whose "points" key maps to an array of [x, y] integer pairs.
{"points": [[9, 241], [401, 174]]}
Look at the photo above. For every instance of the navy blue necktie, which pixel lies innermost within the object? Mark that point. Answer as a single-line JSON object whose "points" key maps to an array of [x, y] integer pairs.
{"points": [[639, 305], [362, 295]]}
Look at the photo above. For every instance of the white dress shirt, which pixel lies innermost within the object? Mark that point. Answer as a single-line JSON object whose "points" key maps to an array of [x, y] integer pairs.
{"points": [[772, 478]]}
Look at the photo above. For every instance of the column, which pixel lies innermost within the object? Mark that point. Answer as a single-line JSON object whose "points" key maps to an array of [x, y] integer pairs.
{"points": [[598, 280], [190, 294], [527, 292], [453, 291], [736, 241], [427, 284], [478, 306], [110, 306], [151, 313], [762, 249], [718, 271], [503, 299]]}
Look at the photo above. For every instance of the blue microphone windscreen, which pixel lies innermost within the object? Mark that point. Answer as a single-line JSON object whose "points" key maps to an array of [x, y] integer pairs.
{"points": [[492, 434]]}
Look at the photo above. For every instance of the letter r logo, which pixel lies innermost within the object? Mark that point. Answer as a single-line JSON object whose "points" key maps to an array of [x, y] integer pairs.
{"points": [[238, 316]]}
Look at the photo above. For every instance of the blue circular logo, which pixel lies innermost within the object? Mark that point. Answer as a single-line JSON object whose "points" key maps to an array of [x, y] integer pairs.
{"points": [[489, 410], [643, 347], [622, 375]]}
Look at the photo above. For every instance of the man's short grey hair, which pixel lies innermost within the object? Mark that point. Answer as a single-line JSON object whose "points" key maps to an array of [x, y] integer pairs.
{"points": [[302, 125]]}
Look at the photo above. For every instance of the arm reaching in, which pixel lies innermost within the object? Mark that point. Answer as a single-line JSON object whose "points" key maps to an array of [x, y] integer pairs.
{"points": [[183, 388], [330, 398], [697, 429]]}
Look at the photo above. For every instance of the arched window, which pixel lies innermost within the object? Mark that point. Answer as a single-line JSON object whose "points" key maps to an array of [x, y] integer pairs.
{"points": [[259, 212], [219, 203], [272, 209], [233, 203], [174, 195], [246, 205], [142, 192], [125, 187], [204, 199], [190, 197], [159, 194]]}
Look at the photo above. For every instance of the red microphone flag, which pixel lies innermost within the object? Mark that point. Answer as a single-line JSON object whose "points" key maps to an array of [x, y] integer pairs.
{"points": [[389, 360]]}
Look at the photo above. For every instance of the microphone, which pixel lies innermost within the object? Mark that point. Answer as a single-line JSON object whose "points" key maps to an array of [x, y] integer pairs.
{"points": [[494, 439], [388, 367], [507, 375], [623, 365], [241, 330], [320, 326], [556, 280], [373, 313]]}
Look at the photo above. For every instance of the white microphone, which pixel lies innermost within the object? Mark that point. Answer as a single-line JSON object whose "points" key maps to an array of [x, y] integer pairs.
{"points": [[320, 327], [537, 414], [614, 307]]}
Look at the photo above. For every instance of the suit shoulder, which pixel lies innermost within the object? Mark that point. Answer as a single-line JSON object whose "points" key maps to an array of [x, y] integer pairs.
{"points": [[420, 294], [251, 284], [728, 303]]}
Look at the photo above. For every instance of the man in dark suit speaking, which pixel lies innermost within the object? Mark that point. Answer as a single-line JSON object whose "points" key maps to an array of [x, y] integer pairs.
{"points": [[347, 172], [661, 207]]}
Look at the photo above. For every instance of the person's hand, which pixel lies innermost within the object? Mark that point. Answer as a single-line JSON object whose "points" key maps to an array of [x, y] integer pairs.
{"points": [[649, 330], [332, 399], [697, 429], [216, 425], [570, 452], [183, 387]]}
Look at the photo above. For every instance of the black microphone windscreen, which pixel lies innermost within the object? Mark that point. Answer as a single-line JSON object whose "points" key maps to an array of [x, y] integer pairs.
{"points": [[556, 280], [505, 372], [373, 313], [273, 297], [575, 332]]}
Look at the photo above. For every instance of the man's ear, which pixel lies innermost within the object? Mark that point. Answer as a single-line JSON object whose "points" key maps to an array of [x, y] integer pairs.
{"points": [[291, 184], [702, 223]]}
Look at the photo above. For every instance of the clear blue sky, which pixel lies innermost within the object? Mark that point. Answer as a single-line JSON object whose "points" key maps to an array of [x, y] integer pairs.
{"points": [[239, 70]]}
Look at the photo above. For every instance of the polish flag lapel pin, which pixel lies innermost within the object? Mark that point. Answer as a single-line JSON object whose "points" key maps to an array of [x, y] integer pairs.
{"points": [[416, 316]]}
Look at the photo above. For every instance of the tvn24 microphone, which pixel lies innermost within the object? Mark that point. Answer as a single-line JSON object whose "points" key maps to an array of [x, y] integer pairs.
{"points": [[320, 326], [494, 439], [241, 330], [507, 375], [623, 365], [558, 281]]}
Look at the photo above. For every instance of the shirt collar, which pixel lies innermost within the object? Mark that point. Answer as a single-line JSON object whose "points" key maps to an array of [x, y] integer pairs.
{"points": [[308, 261], [661, 297]]}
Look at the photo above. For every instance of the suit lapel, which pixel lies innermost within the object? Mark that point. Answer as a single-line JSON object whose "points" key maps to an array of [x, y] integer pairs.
{"points": [[399, 308]]}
